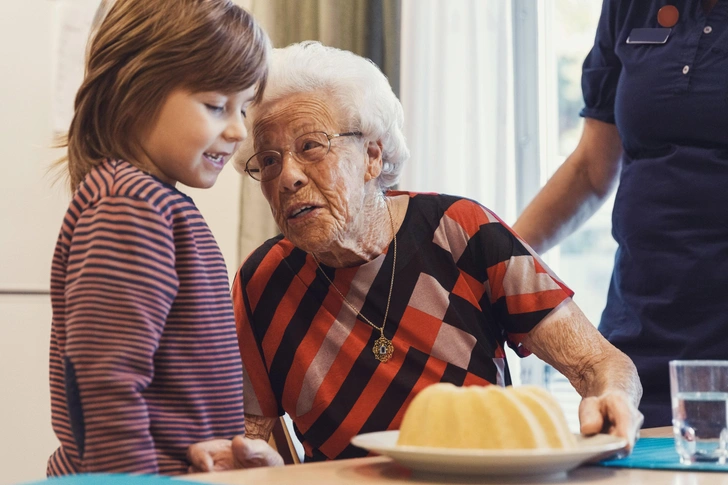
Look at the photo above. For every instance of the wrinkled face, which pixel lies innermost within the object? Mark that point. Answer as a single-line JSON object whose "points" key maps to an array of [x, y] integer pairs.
{"points": [[315, 204], [195, 135]]}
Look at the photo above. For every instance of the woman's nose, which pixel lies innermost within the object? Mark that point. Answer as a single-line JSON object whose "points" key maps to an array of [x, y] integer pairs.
{"points": [[293, 175]]}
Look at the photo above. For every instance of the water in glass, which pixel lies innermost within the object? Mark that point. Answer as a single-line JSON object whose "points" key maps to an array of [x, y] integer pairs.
{"points": [[699, 425]]}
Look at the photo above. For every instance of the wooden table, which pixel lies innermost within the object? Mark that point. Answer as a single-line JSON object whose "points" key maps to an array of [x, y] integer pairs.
{"points": [[381, 470]]}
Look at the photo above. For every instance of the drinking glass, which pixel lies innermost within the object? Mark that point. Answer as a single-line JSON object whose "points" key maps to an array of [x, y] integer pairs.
{"points": [[699, 391]]}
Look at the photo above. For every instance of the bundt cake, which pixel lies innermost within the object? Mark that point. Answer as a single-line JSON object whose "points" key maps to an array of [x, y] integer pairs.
{"points": [[490, 417]]}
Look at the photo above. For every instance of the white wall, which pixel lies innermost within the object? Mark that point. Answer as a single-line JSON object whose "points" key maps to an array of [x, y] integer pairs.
{"points": [[27, 438], [30, 215], [31, 210]]}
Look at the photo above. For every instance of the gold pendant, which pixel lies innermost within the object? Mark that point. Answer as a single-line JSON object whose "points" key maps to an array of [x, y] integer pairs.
{"points": [[383, 349]]}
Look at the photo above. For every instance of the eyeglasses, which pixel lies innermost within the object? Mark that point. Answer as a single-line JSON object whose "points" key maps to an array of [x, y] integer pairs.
{"points": [[308, 148]]}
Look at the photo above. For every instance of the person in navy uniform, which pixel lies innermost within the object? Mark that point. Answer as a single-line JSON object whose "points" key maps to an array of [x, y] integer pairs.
{"points": [[655, 88]]}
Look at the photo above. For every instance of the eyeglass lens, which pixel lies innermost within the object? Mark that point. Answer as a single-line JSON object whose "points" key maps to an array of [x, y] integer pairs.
{"points": [[309, 148]]}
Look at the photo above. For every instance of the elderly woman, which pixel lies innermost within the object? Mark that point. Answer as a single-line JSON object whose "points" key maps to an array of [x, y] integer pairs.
{"points": [[369, 294]]}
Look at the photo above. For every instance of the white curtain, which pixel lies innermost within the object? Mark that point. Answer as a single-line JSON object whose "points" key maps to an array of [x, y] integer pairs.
{"points": [[456, 89], [457, 92]]}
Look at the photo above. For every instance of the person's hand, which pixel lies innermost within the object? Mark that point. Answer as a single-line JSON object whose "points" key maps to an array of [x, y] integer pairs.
{"points": [[254, 453], [210, 456], [613, 413], [221, 455]]}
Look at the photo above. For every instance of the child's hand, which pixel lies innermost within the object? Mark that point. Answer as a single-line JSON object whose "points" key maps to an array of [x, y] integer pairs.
{"points": [[220, 455]]}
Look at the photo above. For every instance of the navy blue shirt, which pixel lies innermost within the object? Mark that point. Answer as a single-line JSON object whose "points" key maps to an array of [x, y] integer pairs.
{"points": [[668, 297]]}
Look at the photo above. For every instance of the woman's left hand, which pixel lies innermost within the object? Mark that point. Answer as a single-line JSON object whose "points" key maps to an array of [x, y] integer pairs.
{"points": [[614, 413], [604, 376], [240, 452]]}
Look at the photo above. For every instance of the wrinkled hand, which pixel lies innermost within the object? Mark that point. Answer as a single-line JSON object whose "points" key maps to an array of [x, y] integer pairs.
{"points": [[210, 456], [220, 455], [254, 453], [613, 413]]}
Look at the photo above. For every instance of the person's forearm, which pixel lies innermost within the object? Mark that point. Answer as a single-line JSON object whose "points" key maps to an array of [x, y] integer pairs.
{"points": [[615, 371], [258, 427], [604, 368], [573, 346], [562, 206], [577, 189]]}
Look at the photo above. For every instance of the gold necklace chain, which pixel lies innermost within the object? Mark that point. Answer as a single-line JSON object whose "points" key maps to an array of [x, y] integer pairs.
{"points": [[383, 347]]}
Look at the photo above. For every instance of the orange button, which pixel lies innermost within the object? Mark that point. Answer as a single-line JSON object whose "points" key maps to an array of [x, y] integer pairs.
{"points": [[667, 16]]}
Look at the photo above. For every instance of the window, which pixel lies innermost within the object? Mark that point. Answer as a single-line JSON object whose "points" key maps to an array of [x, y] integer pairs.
{"points": [[491, 93], [585, 259]]}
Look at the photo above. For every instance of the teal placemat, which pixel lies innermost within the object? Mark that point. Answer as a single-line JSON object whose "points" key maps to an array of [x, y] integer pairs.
{"points": [[659, 454], [113, 479]]}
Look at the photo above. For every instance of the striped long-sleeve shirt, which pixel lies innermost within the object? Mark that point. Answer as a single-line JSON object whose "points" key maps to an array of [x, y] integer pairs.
{"points": [[465, 285], [143, 358]]}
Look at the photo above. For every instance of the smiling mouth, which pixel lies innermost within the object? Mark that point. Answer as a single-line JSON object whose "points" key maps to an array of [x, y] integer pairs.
{"points": [[216, 157]]}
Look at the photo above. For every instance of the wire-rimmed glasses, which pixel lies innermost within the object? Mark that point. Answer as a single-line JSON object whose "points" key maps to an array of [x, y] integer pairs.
{"points": [[307, 148]]}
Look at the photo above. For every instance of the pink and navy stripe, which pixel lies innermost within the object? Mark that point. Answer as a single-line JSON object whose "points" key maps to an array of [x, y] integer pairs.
{"points": [[144, 358]]}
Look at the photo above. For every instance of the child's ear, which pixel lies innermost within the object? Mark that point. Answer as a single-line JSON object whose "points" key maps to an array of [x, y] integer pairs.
{"points": [[374, 160]]}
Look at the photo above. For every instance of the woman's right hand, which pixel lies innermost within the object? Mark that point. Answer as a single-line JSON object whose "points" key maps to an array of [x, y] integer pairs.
{"points": [[222, 455], [253, 453]]}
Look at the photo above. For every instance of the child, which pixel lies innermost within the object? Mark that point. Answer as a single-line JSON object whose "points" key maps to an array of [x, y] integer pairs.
{"points": [[144, 359]]}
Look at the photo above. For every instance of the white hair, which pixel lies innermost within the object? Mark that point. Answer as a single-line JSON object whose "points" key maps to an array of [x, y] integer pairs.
{"points": [[358, 90]]}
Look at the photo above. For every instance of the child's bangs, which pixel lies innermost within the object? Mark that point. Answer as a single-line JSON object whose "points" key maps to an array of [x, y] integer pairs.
{"points": [[234, 57]]}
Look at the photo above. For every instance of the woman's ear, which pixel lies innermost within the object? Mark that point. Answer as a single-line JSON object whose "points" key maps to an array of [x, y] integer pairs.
{"points": [[374, 160]]}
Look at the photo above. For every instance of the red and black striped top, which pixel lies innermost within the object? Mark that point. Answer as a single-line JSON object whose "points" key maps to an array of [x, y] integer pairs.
{"points": [[465, 285], [143, 358]]}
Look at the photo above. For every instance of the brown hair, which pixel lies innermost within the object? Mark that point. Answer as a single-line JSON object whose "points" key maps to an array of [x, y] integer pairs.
{"points": [[143, 50]]}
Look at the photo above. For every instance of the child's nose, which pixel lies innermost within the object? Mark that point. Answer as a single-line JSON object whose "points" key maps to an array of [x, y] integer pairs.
{"points": [[235, 130]]}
